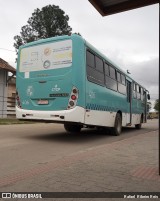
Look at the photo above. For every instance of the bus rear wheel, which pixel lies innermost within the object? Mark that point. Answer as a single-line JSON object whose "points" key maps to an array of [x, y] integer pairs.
{"points": [[138, 126], [71, 128], [116, 130]]}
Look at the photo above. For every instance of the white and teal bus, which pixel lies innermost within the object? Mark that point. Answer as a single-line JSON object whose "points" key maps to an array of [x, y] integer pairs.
{"points": [[66, 80]]}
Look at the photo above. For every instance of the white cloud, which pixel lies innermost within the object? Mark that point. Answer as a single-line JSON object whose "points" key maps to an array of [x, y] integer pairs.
{"points": [[130, 39]]}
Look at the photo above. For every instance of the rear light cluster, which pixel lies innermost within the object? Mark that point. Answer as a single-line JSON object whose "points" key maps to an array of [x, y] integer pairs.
{"points": [[73, 98], [18, 101]]}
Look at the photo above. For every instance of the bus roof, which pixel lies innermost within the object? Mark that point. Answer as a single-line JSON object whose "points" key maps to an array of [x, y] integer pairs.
{"points": [[40, 41]]}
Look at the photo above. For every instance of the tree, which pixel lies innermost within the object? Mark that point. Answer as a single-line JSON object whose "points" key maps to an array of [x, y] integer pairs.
{"points": [[156, 105], [48, 22]]}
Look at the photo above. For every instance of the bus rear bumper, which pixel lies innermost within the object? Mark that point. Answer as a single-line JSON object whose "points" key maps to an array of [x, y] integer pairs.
{"points": [[76, 114]]}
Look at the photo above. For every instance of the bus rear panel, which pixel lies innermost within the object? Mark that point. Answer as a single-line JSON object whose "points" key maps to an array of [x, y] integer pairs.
{"points": [[48, 87]]}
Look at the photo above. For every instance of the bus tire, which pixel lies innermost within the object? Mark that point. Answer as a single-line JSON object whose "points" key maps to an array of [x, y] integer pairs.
{"points": [[138, 126], [71, 128], [116, 130]]}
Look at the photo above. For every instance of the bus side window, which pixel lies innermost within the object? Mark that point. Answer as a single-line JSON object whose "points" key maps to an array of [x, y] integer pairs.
{"points": [[134, 91], [123, 79], [134, 86], [138, 92], [142, 94], [137, 88], [90, 59], [112, 73], [111, 81], [121, 85], [99, 70], [99, 64], [94, 67], [118, 77], [106, 68]]}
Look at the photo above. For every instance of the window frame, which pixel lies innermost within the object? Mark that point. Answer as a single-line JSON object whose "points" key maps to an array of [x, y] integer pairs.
{"points": [[122, 75], [119, 81], [93, 78], [106, 64], [106, 74], [93, 59], [96, 58], [111, 67]]}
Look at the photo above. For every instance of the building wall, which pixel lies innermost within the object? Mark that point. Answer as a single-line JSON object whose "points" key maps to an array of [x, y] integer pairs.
{"points": [[3, 94], [12, 87], [11, 110]]}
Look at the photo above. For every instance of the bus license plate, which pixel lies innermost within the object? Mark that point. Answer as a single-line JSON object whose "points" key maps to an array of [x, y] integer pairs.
{"points": [[43, 102]]}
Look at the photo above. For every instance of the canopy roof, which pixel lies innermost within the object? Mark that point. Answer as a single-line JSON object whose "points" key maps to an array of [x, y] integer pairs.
{"points": [[108, 7], [5, 66]]}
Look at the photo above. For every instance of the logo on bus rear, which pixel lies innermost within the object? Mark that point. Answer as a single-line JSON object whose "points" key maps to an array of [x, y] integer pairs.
{"points": [[56, 88], [46, 64], [92, 94], [30, 91]]}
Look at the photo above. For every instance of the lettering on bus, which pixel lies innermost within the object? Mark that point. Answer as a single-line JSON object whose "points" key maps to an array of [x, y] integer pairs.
{"points": [[59, 95], [56, 88], [25, 102], [92, 94], [30, 91]]}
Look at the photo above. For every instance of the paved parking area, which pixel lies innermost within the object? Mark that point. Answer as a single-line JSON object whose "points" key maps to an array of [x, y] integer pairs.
{"points": [[124, 164]]}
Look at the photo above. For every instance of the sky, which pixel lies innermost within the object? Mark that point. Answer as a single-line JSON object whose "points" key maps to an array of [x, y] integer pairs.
{"points": [[130, 39]]}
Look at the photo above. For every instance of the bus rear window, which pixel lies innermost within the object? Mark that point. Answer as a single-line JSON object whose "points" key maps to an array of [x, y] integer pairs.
{"points": [[46, 56]]}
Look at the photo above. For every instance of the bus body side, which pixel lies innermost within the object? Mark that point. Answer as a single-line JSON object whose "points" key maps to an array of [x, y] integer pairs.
{"points": [[106, 97], [102, 103]]}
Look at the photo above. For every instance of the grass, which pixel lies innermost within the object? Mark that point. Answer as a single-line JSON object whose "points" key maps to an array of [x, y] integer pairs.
{"points": [[14, 121]]}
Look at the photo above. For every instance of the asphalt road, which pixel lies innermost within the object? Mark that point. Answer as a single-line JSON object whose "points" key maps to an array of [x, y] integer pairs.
{"points": [[23, 147]]}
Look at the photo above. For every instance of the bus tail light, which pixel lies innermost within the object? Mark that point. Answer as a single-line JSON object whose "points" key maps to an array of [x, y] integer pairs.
{"points": [[73, 98], [18, 101]]}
